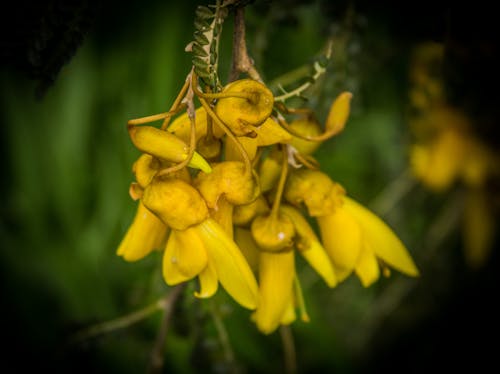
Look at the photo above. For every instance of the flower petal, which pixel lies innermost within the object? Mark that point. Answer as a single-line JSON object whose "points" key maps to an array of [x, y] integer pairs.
{"points": [[181, 126], [270, 132], [276, 274], [310, 247], [209, 282], [165, 145], [342, 238], [233, 271], [146, 233], [185, 256], [339, 113], [245, 242], [382, 239], [233, 153], [367, 268], [289, 316]]}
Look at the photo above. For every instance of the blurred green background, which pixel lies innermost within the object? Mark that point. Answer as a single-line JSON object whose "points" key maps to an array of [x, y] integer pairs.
{"points": [[72, 77]]}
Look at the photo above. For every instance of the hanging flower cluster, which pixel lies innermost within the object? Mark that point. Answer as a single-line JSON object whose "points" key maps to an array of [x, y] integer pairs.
{"points": [[446, 151], [225, 189]]}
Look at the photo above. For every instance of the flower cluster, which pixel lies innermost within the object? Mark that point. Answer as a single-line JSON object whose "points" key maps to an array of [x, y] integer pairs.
{"points": [[226, 189], [446, 150]]}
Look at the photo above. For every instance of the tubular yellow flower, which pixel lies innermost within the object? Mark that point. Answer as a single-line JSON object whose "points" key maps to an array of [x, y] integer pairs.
{"points": [[206, 250], [145, 234], [276, 275], [165, 146], [354, 238], [198, 245], [242, 115]]}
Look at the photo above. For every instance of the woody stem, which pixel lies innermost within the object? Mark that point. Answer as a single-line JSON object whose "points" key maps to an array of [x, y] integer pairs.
{"points": [[242, 63]]}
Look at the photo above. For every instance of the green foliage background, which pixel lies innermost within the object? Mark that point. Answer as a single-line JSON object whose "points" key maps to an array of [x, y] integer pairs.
{"points": [[67, 165]]}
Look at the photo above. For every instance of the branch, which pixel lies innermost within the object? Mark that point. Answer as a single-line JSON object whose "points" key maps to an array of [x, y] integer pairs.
{"points": [[157, 356], [242, 63]]}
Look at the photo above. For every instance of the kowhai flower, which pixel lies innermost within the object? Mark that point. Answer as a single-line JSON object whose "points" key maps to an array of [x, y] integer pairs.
{"points": [[225, 191]]}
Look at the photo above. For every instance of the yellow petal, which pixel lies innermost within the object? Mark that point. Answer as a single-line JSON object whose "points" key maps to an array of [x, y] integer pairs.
{"points": [[146, 233], [233, 271], [478, 228], [342, 238], [269, 171], [339, 113], [305, 127], [164, 145], [233, 153], [276, 274], [270, 132], [185, 256], [181, 126], [208, 282], [248, 247], [144, 169], [342, 274], [310, 247], [383, 241], [367, 268], [223, 215], [289, 316], [243, 214]]}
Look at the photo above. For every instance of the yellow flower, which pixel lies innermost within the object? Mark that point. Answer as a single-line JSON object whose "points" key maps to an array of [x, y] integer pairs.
{"points": [[354, 238], [197, 245], [243, 115], [274, 238], [279, 290], [145, 234]]}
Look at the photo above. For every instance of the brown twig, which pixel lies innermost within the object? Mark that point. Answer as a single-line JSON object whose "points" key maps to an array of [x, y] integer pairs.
{"points": [[157, 356], [242, 63]]}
